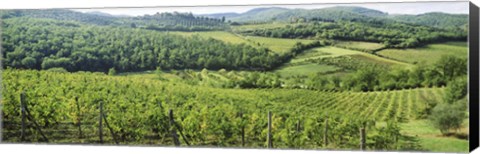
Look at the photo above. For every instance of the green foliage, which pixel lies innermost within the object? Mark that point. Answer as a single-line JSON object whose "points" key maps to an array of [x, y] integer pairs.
{"points": [[160, 21], [451, 21], [178, 22], [369, 76], [58, 69], [112, 71], [429, 54], [255, 80], [397, 35], [447, 116], [43, 44], [137, 107], [388, 137], [331, 14], [450, 113], [280, 45], [305, 69], [207, 103], [351, 13], [452, 66], [361, 46], [456, 90], [224, 36], [62, 14]]}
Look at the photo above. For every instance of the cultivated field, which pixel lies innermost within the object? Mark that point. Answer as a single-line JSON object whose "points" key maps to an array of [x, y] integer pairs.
{"points": [[242, 28], [357, 45], [218, 35], [275, 44], [280, 45], [428, 54]]}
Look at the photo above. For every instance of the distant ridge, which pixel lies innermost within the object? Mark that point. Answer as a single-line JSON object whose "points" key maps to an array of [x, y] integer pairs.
{"points": [[267, 14], [435, 19], [105, 14]]}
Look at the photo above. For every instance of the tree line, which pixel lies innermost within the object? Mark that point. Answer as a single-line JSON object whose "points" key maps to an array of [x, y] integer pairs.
{"points": [[159, 21], [178, 22], [391, 34], [376, 77]]}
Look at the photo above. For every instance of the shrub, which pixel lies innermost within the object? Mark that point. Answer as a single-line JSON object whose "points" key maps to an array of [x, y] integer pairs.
{"points": [[447, 116], [112, 71], [57, 69]]}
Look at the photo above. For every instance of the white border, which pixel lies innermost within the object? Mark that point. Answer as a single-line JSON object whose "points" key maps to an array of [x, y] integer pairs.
{"points": [[87, 149], [25, 4]]}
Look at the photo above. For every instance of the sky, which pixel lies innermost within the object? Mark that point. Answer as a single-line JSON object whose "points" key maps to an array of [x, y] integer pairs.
{"points": [[391, 8]]}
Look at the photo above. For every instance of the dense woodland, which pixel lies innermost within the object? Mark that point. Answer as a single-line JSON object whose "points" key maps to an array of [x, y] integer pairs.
{"points": [[44, 44]]}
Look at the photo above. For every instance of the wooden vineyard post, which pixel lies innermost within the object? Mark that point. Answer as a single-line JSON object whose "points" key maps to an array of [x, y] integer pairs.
{"points": [[22, 107], [298, 126], [362, 138], [269, 137], [325, 133], [100, 129], [242, 130], [110, 128], [172, 127], [27, 116], [79, 120]]}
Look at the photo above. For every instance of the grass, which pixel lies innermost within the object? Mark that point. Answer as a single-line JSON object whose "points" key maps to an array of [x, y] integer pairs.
{"points": [[461, 44], [431, 139], [444, 144], [322, 52], [306, 69], [358, 45], [278, 45], [258, 26], [152, 75], [335, 51], [218, 35], [379, 60], [299, 66], [428, 54]]}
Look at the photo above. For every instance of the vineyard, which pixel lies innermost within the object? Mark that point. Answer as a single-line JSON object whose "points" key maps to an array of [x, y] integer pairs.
{"points": [[267, 78], [136, 112]]}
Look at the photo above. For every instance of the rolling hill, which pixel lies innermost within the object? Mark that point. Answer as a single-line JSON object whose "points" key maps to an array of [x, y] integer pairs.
{"points": [[266, 14], [436, 19], [432, 19]]}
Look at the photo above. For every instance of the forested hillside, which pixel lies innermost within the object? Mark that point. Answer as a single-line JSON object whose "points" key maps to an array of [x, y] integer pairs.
{"points": [[44, 44], [347, 13], [159, 21], [451, 21], [62, 14]]}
